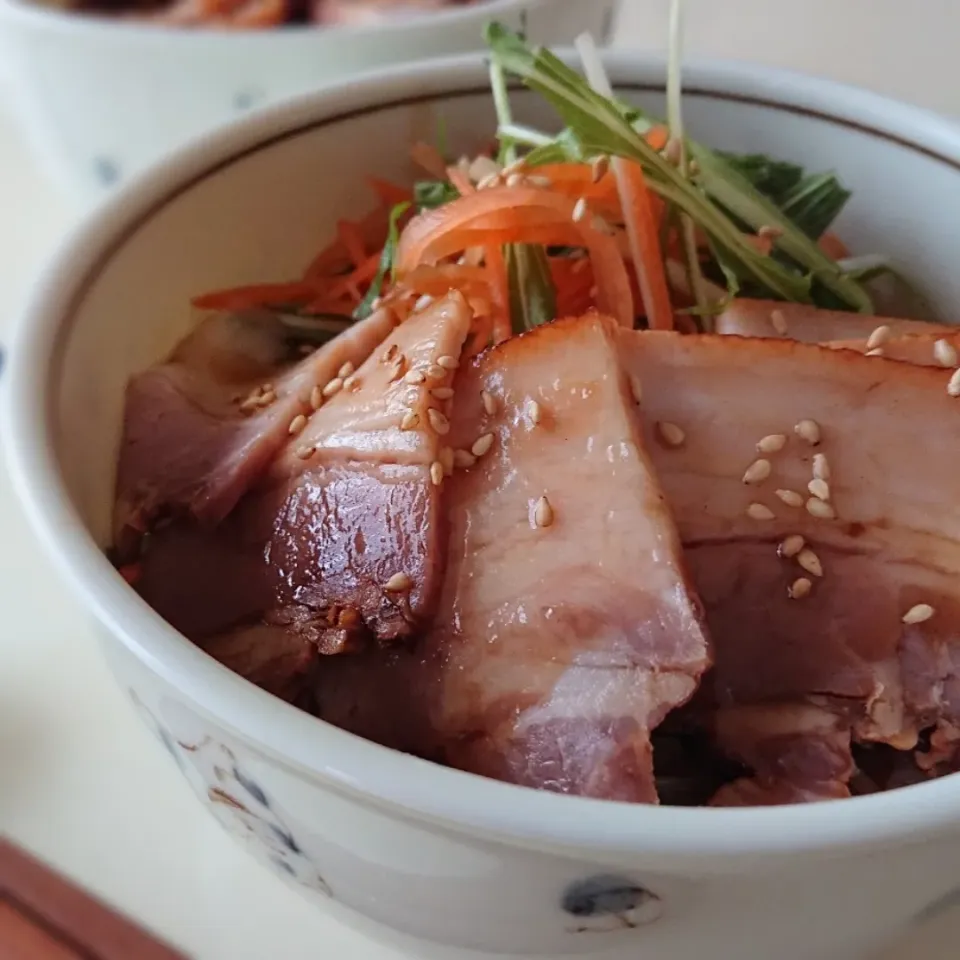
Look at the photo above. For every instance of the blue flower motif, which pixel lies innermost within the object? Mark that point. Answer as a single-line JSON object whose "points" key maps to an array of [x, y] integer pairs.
{"points": [[610, 902]]}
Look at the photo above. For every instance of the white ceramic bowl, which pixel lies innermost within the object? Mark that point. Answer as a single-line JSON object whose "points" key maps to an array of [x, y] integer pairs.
{"points": [[433, 852], [101, 98]]}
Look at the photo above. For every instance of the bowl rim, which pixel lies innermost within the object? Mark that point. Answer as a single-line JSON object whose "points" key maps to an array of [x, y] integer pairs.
{"points": [[36, 15], [346, 763]]}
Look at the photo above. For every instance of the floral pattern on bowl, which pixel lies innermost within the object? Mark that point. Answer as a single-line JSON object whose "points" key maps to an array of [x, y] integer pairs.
{"points": [[238, 802], [606, 902]]}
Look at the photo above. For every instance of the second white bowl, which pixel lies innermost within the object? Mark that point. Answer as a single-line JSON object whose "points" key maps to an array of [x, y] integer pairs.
{"points": [[101, 98]]}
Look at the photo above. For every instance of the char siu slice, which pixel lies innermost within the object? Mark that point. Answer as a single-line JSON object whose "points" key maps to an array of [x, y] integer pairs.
{"points": [[187, 447]]}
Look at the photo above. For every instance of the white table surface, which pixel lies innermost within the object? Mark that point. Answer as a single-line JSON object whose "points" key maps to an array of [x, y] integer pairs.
{"points": [[81, 782]]}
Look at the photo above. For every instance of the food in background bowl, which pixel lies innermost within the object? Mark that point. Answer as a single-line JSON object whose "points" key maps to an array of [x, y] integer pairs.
{"points": [[561, 467], [264, 13]]}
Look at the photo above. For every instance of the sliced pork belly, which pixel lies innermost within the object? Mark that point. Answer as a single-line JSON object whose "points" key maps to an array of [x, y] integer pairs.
{"points": [[887, 541], [269, 656], [796, 321], [798, 752], [926, 350], [353, 500], [566, 630], [188, 447], [341, 539]]}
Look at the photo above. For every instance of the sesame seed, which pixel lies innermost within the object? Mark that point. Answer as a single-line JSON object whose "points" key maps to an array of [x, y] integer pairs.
{"points": [[820, 509], [436, 473], [769, 233], [448, 362], [463, 459], [346, 370], [945, 353], [446, 458], [389, 353], [316, 398], [758, 511], [482, 445], [790, 497], [306, 452], [515, 180], [953, 385], [799, 588], [399, 365], [332, 387], [537, 180], [297, 424], [810, 562], [791, 546], [422, 302], [819, 488], [415, 377], [671, 434], [779, 322], [398, 583], [821, 466], [352, 382], [266, 398], [442, 393], [489, 402], [808, 430], [757, 472], [438, 421], [580, 209], [878, 337], [636, 388], [918, 613], [435, 372], [490, 180], [773, 443], [410, 420], [534, 412], [875, 352], [599, 167], [673, 151], [543, 513], [250, 404]]}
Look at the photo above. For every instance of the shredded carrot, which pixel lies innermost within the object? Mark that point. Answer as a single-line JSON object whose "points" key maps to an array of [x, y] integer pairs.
{"points": [[833, 246], [389, 194], [257, 295], [501, 215], [429, 157], [500, 292], [657, 137], [351, 237], [460, 180], [643, 234]]}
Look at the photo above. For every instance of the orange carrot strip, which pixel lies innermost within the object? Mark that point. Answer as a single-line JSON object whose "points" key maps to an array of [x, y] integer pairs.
{"points": [[389, 194], [256, 295], [352, 239], [643, 234], [461, 181], [833, 246], [657, 137], [517, 215]]}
